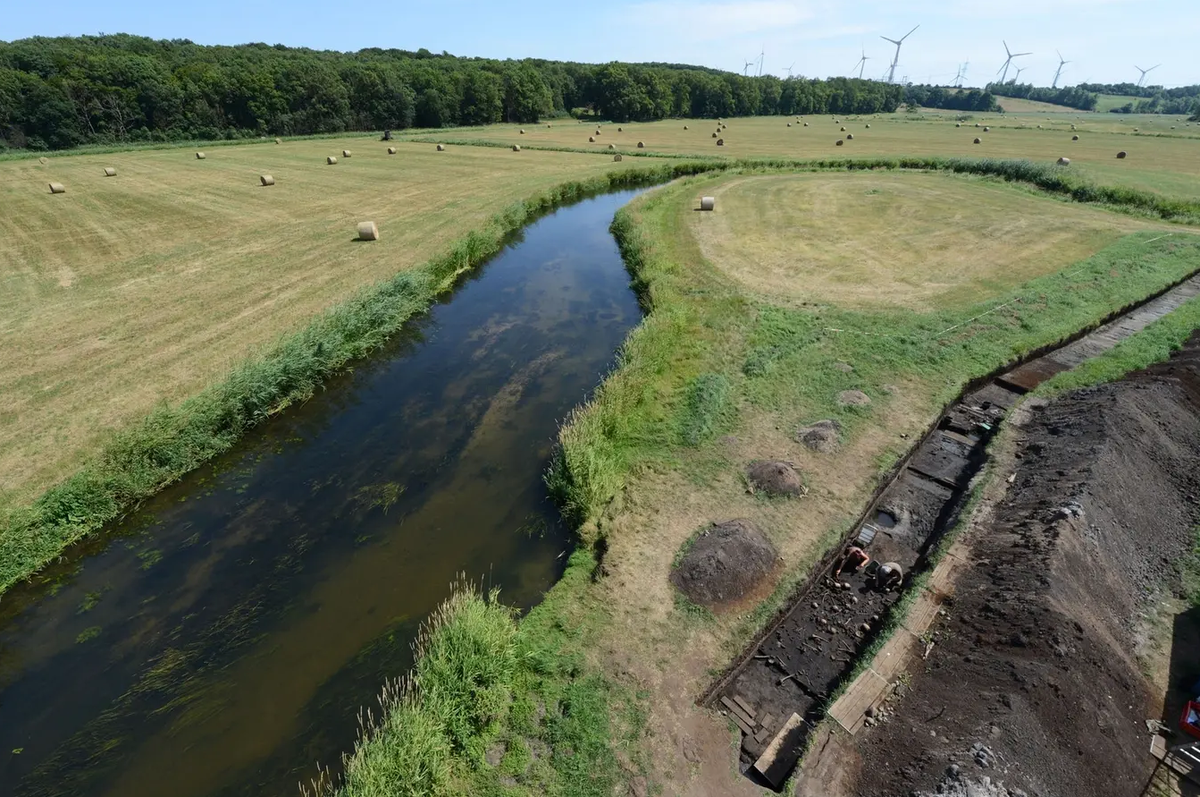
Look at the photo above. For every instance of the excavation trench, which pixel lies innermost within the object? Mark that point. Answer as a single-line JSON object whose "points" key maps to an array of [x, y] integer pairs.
{"points": [[780, 687], [220, 640]]}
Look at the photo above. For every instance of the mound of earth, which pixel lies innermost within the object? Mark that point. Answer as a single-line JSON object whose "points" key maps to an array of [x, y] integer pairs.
{"points": [[853, 398], [774, 477], [1039, 660], [821, 436], [725, 563]]}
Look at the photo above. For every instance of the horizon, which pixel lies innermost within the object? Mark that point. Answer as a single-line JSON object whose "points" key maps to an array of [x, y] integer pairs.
{"points": [[815, 38]]}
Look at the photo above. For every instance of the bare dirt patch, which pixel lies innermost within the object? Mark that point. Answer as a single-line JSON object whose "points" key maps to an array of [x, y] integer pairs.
{"points": [[1036, 666], [821, 436]]}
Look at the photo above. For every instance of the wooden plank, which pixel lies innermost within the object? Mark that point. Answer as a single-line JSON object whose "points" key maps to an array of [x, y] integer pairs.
{"points": [[768, 721], [922, 613], [745, 706], [895, 654], [850, 709], [736, 710], [782, 753], [741, 723]]}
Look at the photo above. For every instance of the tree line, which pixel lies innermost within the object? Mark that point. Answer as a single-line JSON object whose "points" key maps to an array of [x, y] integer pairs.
{"points": [[57, 93], [1134, 90], [951, 99], [1071, 97]]}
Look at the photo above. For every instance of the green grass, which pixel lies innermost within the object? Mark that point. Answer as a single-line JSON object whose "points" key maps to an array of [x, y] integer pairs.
{"points": [[1156, 343], [481, 682]]}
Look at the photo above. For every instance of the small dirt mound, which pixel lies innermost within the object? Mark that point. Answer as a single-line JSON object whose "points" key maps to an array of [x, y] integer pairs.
{"points": [[725, 563], [821, 436], [774, 477], [853, 398]]}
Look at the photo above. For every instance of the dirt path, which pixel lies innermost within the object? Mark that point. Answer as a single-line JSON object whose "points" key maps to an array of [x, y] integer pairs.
{"points": [[1039, 681]]}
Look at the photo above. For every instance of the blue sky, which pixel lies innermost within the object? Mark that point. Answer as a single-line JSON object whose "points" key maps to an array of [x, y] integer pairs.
{"points": [[1103, 39]]}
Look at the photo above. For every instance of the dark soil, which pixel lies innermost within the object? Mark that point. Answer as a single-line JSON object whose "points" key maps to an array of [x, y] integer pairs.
{"points": [[821, 436], [1035, 662], [725, 563], [774, 478]]}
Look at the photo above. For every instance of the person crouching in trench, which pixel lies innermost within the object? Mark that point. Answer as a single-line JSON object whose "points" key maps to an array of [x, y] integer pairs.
{"points": [[854, 560]]}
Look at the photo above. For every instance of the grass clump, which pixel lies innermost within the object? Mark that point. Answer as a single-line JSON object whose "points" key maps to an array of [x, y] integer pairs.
{"points": [[480, 681], [705, 408]]}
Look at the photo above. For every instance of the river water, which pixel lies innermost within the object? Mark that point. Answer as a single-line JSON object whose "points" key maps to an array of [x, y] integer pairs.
{"points": [[222, 640]]}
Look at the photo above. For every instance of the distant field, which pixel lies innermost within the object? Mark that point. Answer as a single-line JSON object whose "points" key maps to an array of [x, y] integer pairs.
{"points": [[142, 288], [920, 241], [1018, 105], [1169, 164], [1109, 101]]}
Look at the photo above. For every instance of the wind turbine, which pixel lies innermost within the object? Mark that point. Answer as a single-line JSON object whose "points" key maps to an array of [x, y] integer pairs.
{"points": [[862, 64], [1061, 64], [1011, 55], [896, 59], [962, 74], [1017, 79], [1142, 79], [746, 69], [761, 54]]}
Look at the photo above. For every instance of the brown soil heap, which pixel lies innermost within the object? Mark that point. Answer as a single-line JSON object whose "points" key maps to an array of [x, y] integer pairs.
{"points": [[821, 436], [1036, 684], [853, 398], [725, 563], [774, 477]]}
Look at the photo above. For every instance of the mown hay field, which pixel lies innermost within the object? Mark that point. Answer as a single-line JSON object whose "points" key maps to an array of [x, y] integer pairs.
{"points": [[920, 241], [142, 288], [1159, 159]]}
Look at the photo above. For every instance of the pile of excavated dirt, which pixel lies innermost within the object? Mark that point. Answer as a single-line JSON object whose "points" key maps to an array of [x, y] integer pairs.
{"points": [[725, 563], [821, 436], [774, 478], [1036, 660]]}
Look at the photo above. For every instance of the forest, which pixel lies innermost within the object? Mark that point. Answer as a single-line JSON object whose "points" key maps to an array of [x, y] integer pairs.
{"points": [[57, 93], [1071, 97]]}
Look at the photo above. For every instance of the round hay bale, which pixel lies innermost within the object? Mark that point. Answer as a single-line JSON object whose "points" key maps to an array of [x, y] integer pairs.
{"points": [[547, 126], [619, 130], [839, 143], [57, 188], [720, 142], [522, 131], [822, 436], [441, 147], [1121, 155], [345, 153], [977, 124], [266, 179], [714, 135], [1136, 130], [617, 158], [391, 150], [199, 156], [612, 146], [1074, 138], [774, 477], [843, 130], [853, 398], [641, 145], [708, 203], [110, 171], [849, 136], [806, 124], [868, 126], [835, 121], [279, 141], [685, 127], [591, 139], [1064, 161], [43, 160], [597, 131], [958, 124], [1039, 127], [977, 141], [1072, 127], [330, 161], [789, 124], [725, 563], [516, 147], [987, 129], [367, 231], [724, 127]]}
